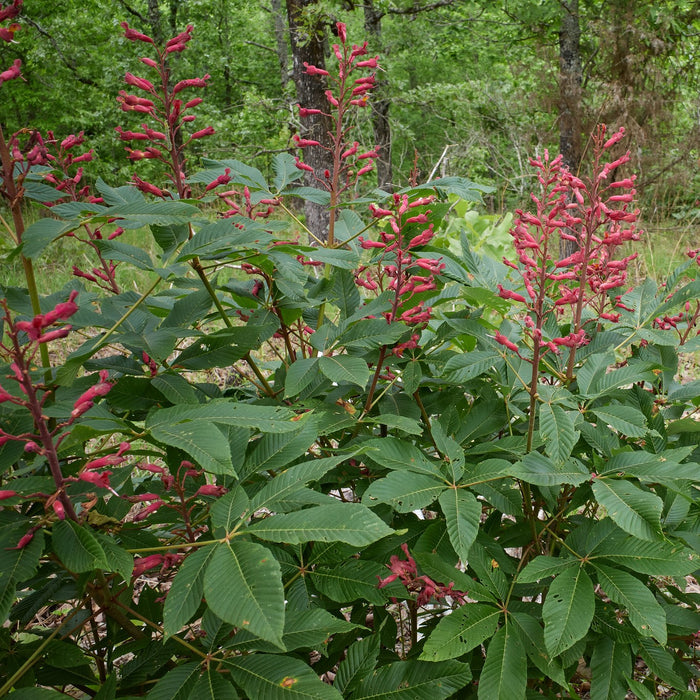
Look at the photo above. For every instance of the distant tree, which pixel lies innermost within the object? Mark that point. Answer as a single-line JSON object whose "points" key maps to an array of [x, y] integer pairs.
{"points": [[307, 36]]}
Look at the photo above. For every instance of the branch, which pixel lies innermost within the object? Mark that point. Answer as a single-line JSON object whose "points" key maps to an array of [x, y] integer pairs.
{"points": [[417, 9], [132, 11], [68, 63]]}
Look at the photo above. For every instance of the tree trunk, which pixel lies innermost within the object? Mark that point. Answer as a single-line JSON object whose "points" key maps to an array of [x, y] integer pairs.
{"points": [[380, 105], [570, 78], [307, 41]]}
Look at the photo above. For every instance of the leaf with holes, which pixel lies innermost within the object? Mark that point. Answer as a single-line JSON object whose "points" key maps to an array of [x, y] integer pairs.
{"points": [[461, 631], [568, 610]]}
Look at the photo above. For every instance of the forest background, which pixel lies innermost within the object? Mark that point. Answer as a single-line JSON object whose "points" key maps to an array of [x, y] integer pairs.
{"points": [[466, 88]]}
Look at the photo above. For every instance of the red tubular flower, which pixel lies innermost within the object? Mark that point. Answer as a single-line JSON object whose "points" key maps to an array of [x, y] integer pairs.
{"points": [[144, 563], [11, 73], [312, 70], [211, 490], [101, 480], [6, 493], [209, 131], [143, 514], [500, 338], [191, 83], [133, 35]]}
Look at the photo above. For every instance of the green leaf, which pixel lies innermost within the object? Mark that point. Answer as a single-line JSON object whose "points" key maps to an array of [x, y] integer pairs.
{"points": [[345, 369], [138, 214], [230, 509], [41, 233], [543, 567], [274, 451], [267, 419], [300, 374], [310, 194], [568, 610], [346, 296], [505, 671], [118, 195], [611, 662], [120, 561], [640, 691], [461, 631], [175, 388], [8, 588], [278, 677], [625, 419], [557, 431], [404, 491], [176, 684], [355, 579], [462, 368], [77, 548], [292, 479], [414, 680], [635, 511], [123, 252], [462, 515], [185, 594], [243, 586], [532, 638], [286, 170], [393, 453], [203, 441], [360, 659], [169, 238], [340, 522], [657, 558], [540, 470], [645, 613], [371, 333], [214, 686], [391, 420]]}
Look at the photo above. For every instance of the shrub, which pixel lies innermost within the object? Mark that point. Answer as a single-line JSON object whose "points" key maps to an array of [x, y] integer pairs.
{"points": [[376, 466]]}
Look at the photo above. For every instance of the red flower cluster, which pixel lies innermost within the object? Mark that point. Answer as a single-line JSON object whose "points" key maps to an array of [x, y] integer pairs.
{"points": [[406, 571], [7, 34], [347, 93], [398, 263], [593, 214], [168, 140]]}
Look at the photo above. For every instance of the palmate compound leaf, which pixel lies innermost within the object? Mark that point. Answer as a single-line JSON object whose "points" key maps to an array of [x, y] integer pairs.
{"points": [[505, 671], [185, 594], [461, 631], [243, 586], [568, 610], [414, 680], [645, 613], [275, 677], [634, 510], [339, 522], [77, 547]]}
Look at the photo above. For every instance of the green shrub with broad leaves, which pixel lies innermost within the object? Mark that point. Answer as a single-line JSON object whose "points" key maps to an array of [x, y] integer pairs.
{"points": [[379, 466]]}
